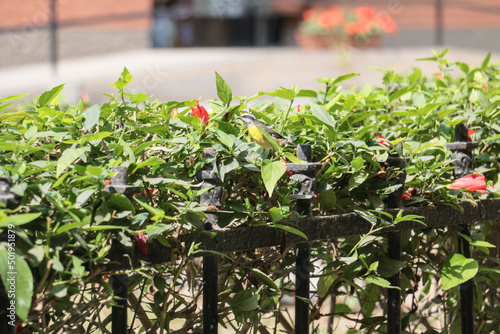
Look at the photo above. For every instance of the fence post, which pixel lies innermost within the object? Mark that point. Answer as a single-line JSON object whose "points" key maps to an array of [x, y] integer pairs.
{"points": [[462, 161], [6, 198], [210, 198], [395, 200], [119, 283], [303, 195]]}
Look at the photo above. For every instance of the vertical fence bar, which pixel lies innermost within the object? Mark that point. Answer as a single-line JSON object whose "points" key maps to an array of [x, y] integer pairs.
{"points": [[7, 311], [462, 161], [466, 289], [304, 194], [119, 283], [210, 198], [395, 200]]}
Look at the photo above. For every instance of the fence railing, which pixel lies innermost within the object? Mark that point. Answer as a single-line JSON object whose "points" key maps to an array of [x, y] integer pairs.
{"points": [[320, 228]]}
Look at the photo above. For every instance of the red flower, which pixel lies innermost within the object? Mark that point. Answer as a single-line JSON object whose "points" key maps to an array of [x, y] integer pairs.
{"points": [[175, 112], [383, 141], [405, 196], [141, 244], [473, 182], [290, 173], [200, 112], [470, 133], [439, 76]]}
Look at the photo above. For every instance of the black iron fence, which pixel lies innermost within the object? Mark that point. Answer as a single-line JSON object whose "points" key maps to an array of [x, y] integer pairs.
{"points": [[320, 228]]}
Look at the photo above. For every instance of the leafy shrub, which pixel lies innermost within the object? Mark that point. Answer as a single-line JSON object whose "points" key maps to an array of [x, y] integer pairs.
{"points": [[60, 156]]}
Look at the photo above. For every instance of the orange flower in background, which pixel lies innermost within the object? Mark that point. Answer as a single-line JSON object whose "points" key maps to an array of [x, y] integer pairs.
{"points": [[365, 13], [473, 182], [386, 23], [351, 28], [333, 17], [200, 112]]}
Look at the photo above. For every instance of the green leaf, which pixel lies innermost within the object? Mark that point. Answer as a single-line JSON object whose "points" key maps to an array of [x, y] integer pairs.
{"points": [[271, 173], [276, 214], [344, 78], [245, 300], [68, 157], [120, 202], [124, 79], [264, 279], [324, 284], [476, 96], [289, 229], [223, 90], [381, 282], [18, 281], [225, 139], [48, 96], [226, 166], [322, 115], [357, 179], [486, 61], [158, 214], [388, 267], [153, 161], [18, 220], [338, 79], [456, 270], [358, 163], [91, 116], [349, 102]]}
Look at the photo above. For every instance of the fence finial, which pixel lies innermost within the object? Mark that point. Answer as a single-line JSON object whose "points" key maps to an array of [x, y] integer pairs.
{"points": [[461, 152], [6, 197], [212, 197]]}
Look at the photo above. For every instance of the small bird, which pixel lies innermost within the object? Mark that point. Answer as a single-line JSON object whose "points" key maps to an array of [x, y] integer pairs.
{"points": [[254, 130]]}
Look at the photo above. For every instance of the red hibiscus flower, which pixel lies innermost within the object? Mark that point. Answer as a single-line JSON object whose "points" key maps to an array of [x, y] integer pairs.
{"points": [[470, 133], [141, 244], [200, 112], [383, 141], [473, 182]]}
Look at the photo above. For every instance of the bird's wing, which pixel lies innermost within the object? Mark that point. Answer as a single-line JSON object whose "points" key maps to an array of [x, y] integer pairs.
{"points": [[273, 133]]}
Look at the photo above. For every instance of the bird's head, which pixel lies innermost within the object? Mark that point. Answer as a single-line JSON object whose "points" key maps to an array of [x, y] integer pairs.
{"points": [[247, 118]]}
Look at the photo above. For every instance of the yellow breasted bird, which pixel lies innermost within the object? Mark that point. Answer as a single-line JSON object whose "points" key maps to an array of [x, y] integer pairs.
{"points": [[254, 130]]}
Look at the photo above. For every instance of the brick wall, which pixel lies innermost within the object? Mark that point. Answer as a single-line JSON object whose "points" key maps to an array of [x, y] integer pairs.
{"points": [[36, 13]]}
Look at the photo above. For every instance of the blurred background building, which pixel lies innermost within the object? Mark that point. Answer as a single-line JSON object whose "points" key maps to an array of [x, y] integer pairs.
{"points": [[173, 47], [34, 31]]}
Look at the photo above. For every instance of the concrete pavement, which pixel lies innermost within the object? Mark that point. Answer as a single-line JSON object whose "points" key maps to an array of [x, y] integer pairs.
{"points": [[181, 74]]}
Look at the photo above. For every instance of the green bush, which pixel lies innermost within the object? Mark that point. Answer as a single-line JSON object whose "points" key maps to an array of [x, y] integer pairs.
{"points": [[59, 157]]}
